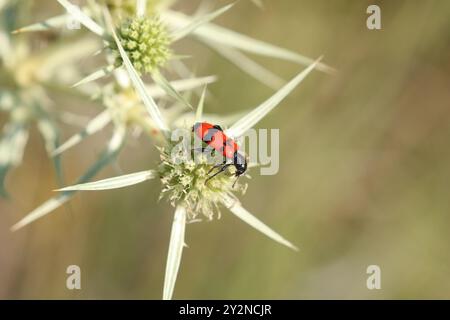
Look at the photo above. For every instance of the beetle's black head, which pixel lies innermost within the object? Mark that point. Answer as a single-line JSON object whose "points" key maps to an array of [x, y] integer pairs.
{"points": [[240, 163]]}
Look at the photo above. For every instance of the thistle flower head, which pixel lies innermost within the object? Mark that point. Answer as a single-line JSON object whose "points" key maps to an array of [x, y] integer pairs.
{"points": [[146, 43], [184, 181], [127, 8]]}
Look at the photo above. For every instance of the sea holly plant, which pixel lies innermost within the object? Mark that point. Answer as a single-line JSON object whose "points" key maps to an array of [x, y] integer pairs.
{"points": [[184, 182], [124, 108], [230, 44]]}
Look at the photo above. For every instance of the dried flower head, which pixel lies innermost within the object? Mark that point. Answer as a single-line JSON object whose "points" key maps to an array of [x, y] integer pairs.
{"points": [[146, 43]]}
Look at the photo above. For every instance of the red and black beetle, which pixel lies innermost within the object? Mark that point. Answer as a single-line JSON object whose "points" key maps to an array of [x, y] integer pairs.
{"points": [[215, 138]]}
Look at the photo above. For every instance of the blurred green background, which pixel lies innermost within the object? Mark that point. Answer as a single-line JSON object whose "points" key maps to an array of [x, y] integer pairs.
{"points": [[364, 174]]}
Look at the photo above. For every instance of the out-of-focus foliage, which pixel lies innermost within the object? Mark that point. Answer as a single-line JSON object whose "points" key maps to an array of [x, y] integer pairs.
{"points": [[363, 176]]}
